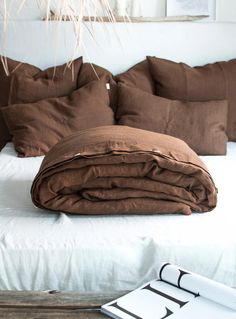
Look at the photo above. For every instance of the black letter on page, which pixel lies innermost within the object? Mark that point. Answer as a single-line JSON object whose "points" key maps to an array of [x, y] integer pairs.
{"points": [[115, 304], [161, 270], [164, 295], [168, 313], [182, 273]]}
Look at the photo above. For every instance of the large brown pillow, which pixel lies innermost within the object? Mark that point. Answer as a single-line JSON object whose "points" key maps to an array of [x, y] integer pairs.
{"points": [[91, 72], [201, 125], [52, 82], [11, 68], [138, 76], [215, 81], [36, 127]]}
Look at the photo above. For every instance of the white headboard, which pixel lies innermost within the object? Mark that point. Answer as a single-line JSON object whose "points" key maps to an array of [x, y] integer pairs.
{"points": [[118, 46]]}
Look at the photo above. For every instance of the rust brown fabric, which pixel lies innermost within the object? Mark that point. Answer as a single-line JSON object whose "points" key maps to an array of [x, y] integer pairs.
{"points": [[91, 72], [202, 125], [52, 82], [13, 67], [138, 76], [215, 81], [123, 170], [36, 127]]}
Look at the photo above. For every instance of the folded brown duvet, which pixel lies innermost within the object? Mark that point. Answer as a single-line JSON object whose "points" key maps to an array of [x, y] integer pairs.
{"points": [[123, 170]]}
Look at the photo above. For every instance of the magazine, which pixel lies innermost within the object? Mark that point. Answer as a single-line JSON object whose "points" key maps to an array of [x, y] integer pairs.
{"points": [[176, 294]]}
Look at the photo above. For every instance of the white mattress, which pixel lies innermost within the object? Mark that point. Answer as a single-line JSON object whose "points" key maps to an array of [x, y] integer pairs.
{"points": [[41, 250]]}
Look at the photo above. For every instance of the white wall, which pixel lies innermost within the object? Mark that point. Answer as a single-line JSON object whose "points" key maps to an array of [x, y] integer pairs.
{"points": [[152, 8], [225, 9], [32, 10], [118, 47]]}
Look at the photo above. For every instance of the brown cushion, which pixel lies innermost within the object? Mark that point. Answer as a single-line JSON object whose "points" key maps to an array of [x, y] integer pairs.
{"points": [[91, 72], [200, 124], [215, 81], [36, 127], [12, 68], [52, 82], [138, 76]]}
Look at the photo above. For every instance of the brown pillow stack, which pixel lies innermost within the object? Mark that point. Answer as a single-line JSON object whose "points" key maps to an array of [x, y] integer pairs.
{"points": [[190, 103], [52, 82], [45, 106], [12, 68], [201, 125], [26, 83], [215, 81], [36, 127]]}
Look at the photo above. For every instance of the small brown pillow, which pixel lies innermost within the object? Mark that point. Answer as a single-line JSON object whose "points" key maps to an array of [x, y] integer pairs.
{"points": [[36, 127], [200, 124], [52, 82], [215, 81], [12, 68], [138, 76]]}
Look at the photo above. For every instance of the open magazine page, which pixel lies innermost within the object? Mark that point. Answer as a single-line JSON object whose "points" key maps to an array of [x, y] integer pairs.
{"points": [[178, 294], [154, 300], [202, 308], [197, 284]]}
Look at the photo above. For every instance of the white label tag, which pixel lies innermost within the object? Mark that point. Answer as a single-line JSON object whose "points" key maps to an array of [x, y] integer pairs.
{"points": [[108, 86]]}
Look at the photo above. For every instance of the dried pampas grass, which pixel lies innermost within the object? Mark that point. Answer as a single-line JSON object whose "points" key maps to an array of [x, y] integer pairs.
{"points": [[74, 11]]}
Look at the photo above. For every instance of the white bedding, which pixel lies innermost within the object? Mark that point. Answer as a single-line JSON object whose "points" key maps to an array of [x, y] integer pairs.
{"points": [[41, 250]]}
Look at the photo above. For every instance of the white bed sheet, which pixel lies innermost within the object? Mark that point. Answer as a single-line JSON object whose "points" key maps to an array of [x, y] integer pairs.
{"points": [[41, 250]]}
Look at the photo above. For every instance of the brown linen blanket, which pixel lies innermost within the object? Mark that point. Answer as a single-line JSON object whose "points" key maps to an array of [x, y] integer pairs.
{"points": [[123, 170]]}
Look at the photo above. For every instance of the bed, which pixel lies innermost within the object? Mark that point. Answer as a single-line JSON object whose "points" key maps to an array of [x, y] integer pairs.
{"points": [[41, 250]]}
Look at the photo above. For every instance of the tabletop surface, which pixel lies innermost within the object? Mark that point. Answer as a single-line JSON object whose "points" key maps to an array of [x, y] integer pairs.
{"points": [[53, 304]]}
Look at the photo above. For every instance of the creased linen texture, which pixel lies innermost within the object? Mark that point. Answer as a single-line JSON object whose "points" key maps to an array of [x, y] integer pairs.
{"points": [[123, 170], [213, 81], [13, 67], [202, 125], [36, 127]]}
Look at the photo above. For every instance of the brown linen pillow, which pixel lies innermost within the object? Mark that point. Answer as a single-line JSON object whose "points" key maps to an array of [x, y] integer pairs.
{"points": [[13, 67], [91, 72], [138, 76], [36, 127], [215, 81], [200, 124], [52, 82]]}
